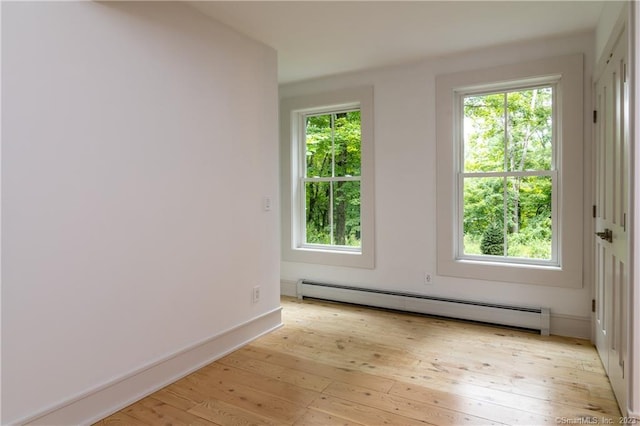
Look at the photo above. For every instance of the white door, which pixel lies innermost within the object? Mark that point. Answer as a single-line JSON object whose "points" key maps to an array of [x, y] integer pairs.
{"points": [[612, 216]]}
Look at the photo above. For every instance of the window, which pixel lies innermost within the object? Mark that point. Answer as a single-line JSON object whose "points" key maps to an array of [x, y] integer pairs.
{"points": [[330, 179], [510, 173], [507, 175], [327, 150]]}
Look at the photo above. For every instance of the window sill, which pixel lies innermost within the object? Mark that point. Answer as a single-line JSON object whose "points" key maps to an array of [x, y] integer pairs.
{"points": [[512, 263], [338, 250], [545, 275], [326, 256]]}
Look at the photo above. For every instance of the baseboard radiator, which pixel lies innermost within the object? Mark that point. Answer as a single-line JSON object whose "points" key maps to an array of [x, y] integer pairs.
{"points": [[512, 316]]}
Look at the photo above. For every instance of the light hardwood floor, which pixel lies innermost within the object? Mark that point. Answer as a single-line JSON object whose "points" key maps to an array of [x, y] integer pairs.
{"points": [[336, 364]]}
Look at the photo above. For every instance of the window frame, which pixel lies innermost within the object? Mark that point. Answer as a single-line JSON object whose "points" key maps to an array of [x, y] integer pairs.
{"points": [[292, 114], [505, 88], [567, 71], [300, 235]]}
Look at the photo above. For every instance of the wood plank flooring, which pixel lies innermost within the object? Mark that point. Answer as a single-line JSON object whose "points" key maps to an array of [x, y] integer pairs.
{"points": [[336, 364]]}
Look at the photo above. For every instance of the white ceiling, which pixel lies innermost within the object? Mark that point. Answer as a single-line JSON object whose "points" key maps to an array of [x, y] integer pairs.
{"points": [[319, 38]]}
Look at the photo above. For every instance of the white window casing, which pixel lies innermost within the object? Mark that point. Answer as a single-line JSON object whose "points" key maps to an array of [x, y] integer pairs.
{"points": [[565, 74], [292, 114]]}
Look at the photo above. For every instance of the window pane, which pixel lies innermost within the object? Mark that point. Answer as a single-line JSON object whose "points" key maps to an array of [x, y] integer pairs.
{"points": [[318, 229], [346, 213], [530, 129], [318, 142], [347, 144], [332, 209], [483, 131], [529, 217], [483, 216]]}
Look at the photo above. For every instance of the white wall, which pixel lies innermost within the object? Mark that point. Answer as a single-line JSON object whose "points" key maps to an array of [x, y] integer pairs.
{"points": [[138, 140], [405, 183]]}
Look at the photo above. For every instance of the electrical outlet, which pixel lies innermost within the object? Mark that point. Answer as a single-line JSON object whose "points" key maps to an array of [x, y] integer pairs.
{"points": [[428, 278], [255, 295]]}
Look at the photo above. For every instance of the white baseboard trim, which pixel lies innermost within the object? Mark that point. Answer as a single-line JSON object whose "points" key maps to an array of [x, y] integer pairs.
{"points": [[288, 288], [105, 400], [571, 326]]}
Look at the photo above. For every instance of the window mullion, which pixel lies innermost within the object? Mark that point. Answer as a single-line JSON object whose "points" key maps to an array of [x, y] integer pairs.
{"points": [[333, 175], [332, 238], [505, 216], [332, 179], [527, 173], [333, 145], [505, 201], [506, 132]]}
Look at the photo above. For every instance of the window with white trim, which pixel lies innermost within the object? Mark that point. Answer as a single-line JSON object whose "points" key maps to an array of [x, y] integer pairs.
{"points": [[330, 178], [327, 142], [510, 144], [507, 173]]}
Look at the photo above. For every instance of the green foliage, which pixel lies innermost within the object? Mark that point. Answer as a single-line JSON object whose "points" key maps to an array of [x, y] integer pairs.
{"points": [[333, 145], [492, 242], [508, 132], [333, 150], [531, 248]]}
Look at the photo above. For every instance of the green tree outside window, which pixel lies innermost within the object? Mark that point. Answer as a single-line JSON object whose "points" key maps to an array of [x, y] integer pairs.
{"points": [[508, 174], [332, 178]]}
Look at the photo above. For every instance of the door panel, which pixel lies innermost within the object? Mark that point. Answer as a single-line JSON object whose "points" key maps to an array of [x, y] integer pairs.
{"points": [[612, 203]]}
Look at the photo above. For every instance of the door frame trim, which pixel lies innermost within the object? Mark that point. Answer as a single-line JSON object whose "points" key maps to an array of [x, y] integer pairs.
{"points": [[633, 393]]}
